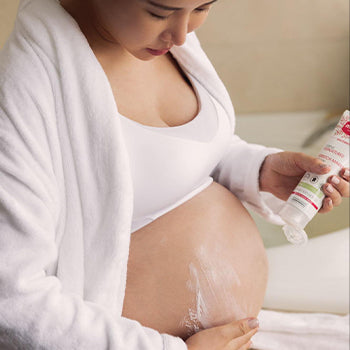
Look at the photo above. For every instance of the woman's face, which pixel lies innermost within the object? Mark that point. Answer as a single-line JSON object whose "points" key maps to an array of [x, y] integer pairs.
{"points": [[146, 28]]}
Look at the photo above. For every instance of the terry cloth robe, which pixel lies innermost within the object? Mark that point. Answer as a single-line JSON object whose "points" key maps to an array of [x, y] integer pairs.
{"points": [[66, 194]]}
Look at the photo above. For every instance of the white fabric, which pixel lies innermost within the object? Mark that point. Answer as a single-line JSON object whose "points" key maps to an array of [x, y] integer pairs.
{"points": [[312, 278], [203, 127], [301, 331], [170, 165], [66, 192]]}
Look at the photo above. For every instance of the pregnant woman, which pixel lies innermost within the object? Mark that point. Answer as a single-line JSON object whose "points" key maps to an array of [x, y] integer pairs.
{"points": [[192, 264]]}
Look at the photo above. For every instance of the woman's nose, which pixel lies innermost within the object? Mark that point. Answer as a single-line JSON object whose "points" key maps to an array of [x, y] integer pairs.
{"points": [[179, 36], [176, 32]]}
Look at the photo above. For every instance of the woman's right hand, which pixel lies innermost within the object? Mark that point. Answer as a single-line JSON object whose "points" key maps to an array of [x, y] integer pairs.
{"points": [[232, 336]]}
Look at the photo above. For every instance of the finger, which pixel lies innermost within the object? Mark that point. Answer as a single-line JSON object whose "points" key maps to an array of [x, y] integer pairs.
{"points": [[340, 184], [327, 205], [345, 174], [242, 340], [311, 164], [333, 194], [241, 327], [246, 346]]}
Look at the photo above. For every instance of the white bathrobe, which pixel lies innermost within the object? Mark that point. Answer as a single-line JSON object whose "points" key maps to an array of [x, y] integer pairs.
{"points": [[66, 193]]}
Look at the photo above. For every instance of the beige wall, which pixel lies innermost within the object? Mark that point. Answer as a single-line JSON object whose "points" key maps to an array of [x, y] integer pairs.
{"points": [[8, 9], [273, 55], [281, 55]]}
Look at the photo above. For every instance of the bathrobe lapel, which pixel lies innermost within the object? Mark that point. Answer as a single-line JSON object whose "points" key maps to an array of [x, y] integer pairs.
{"points": [[96, 184]]}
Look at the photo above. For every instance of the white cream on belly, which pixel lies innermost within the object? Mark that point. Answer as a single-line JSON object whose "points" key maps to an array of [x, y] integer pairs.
{"points": [[212, 279]]}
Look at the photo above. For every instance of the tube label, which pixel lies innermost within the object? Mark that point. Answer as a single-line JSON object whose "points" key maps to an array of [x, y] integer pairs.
{"points": [[308, 196]]}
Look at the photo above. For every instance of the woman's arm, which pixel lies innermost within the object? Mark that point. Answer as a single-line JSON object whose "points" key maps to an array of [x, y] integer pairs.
{"points": [[239, 170]]}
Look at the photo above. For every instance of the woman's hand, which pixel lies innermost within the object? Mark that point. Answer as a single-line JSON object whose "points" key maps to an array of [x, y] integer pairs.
{"points": [[232, 336], [281, 172]]}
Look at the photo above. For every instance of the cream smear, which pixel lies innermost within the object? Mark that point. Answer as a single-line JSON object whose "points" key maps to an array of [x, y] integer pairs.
{"points": [[212, 279]]}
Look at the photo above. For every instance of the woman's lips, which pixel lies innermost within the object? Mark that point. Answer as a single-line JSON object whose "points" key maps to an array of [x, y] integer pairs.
{"points": [[157, 52]]}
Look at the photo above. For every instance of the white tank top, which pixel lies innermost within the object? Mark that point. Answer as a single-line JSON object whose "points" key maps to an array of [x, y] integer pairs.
{"points": [[170, 165]]}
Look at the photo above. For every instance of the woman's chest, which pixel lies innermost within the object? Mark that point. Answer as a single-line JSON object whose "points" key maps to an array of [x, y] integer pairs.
{"points": [[159, 96]]}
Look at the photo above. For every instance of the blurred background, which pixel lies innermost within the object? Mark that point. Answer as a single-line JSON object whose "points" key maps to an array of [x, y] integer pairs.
{"points": [[281, 55], [285, 64], [273, 55]]}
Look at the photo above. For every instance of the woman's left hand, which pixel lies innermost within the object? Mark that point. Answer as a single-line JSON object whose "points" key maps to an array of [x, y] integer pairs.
{"points": [[281, 172]]}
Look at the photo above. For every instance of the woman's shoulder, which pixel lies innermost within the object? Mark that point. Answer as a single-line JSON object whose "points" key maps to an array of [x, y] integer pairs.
{"points": [[42, 37], [26, 91], [26, 53], [21, 72]]}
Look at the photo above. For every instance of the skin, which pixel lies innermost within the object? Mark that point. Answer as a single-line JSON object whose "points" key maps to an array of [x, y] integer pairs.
{"points": [[126, 28], [195, 266], [119, 33]]}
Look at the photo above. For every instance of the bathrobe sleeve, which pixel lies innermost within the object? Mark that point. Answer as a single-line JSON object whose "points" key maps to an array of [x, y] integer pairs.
{"points": [[238, 170], [35, 311]]}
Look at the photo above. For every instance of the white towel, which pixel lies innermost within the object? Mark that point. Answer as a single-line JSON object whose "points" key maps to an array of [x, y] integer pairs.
{"points": [[301, 331], [310, 278]]}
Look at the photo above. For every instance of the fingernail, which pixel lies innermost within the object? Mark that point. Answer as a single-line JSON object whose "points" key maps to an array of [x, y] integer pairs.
{"points": [[253, 323], [329, 202], [347, 172], [323, 165], [330, 189], [335, 180]]}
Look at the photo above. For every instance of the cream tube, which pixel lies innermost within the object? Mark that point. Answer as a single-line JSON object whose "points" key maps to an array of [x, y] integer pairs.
{"points": [[306, 199]]}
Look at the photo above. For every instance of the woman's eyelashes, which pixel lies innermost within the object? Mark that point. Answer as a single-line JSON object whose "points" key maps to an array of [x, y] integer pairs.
{"points": [[160, 17]]}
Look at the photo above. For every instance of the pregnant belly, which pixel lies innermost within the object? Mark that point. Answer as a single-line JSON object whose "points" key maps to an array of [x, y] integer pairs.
{"points": [[200, 265]]}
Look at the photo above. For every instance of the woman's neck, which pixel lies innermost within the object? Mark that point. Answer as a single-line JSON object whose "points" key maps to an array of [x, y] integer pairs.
{"points": [[108, 52], [83, 14]]}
